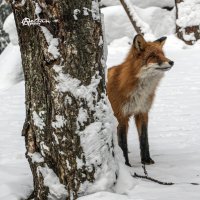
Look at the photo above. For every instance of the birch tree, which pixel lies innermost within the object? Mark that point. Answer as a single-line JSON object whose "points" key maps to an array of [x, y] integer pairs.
{"points": [[188, 20], [68, 127]]}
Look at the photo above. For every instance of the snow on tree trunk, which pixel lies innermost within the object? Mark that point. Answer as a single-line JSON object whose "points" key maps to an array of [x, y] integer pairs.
{"points": [[188, 20], [68, 128], [139, 25], [5, 10]]}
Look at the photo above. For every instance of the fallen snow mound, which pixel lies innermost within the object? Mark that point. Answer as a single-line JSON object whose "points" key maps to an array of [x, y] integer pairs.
{"points": [[141, 3], [10, 28], [10, 66]]}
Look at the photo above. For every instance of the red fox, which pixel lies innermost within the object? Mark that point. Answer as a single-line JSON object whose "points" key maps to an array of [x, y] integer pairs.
{"points": [[131, 89]]}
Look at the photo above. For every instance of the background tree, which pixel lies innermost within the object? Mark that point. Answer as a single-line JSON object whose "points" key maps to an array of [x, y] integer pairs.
{"points": [[140, 26], [5, 10], [131, 16], [68, 131], [187, 21]]}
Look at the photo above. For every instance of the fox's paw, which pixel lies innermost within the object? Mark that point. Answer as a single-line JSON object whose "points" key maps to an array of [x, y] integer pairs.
{"points": [[148, 161]]}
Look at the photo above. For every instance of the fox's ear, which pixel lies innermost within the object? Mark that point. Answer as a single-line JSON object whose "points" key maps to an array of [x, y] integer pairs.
{"points": [[161, 41], [139, 42]]}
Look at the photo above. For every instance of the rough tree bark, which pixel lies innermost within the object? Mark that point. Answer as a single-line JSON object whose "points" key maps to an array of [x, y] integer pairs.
{"points": [[189, 33], [5, 10], [68, 127]]}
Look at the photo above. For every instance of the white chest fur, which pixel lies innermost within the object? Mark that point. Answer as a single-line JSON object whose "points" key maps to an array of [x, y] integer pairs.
{"points": [[139, 98]]}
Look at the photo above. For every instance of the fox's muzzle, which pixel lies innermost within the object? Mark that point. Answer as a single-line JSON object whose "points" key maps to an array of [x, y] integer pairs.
{"points": [[165, 66], [171, 62]]}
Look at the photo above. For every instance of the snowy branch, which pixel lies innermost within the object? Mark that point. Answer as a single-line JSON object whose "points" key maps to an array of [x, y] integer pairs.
{"points": [[139, 25]]}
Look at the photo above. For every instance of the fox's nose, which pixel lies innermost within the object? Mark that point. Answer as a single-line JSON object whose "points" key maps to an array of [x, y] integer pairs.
{"points": [[171, 62]]}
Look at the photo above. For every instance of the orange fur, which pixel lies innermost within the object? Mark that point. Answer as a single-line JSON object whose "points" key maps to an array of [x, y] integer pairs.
{"points": [[122, 79], [125, 79]]}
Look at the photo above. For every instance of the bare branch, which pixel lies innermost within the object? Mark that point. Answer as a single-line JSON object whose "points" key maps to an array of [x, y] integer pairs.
{"points": [[126, 8], [152, 179]]}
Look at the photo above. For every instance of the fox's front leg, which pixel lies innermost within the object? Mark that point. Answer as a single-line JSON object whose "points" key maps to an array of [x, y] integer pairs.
{"points": [[141, 121], [122, 131]]}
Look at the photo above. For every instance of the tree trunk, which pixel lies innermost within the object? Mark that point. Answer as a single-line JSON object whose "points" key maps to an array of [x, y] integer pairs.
{"points": [[5, 10], [68, 127], [188, 32]]}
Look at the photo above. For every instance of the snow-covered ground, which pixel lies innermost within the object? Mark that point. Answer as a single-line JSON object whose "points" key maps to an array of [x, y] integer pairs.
{"points": [[141, 3], [173, 131], [15, 181]]}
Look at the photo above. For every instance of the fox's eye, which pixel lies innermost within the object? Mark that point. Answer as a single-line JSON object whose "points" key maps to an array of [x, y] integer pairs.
{"points": [[158, 61], [151, 58]]}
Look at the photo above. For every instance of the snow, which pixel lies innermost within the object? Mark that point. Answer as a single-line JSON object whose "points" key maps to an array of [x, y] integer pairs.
{"points": [[103, 42], [160, 20], [59, 122], [141, 3], [43, 148], [36, 157], [95, 10], [38, 121], [10, 28], [57, 141], [68, 100], [93, 139], [188, 37], [73, 85], [109, 2], [16, 178], [85, 11], [188, 13], [140, 23], [145, 4], [173, 128], [38, 10], [76, 12], [82, 116], [52, 42], [106, 196], [89, 132], [79, 163], [22, 3], [118, 25], [56, 189], [10, 69]]}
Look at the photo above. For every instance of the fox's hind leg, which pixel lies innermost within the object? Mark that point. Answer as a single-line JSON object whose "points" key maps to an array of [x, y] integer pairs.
{"points": [[141, 121], [122, 131]]}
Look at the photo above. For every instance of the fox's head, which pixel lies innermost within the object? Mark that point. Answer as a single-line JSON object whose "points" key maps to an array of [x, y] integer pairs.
{"points": [[151, 55]]}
